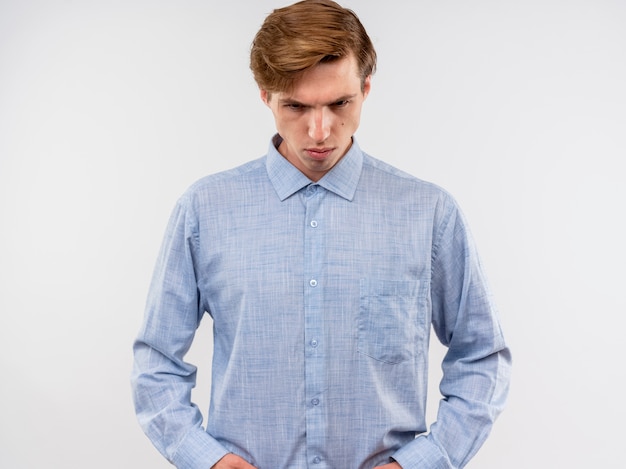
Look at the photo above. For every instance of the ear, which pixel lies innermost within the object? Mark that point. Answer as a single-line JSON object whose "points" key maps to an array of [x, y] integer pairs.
{"points": [[265, 97], [367, 86]]}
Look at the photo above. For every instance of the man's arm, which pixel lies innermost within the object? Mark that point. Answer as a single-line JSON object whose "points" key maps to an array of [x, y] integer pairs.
{"points": [[161, 380], [477, 365]]}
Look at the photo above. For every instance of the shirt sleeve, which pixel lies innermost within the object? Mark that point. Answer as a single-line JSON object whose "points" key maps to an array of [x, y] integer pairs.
{"points": [[476, 367], [161, 380]]}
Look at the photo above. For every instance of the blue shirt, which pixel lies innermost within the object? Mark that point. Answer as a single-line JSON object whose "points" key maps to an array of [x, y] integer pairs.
{"points": [[322, 296]]}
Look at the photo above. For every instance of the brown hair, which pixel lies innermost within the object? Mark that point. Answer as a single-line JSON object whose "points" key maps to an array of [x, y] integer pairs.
{"points": [[296, 38]]}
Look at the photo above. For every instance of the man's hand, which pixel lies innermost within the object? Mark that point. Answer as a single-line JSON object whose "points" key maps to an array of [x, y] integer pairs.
{"points": [[393, 465], [232, 461]]}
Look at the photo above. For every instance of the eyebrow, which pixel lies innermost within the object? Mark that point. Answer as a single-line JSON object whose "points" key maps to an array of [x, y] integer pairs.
{"points": [[334, 101]]}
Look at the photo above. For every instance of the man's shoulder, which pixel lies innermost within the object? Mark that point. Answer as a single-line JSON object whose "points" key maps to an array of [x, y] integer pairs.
{"points": [[225, 188], [230, 179], [239, 174], [390, 176]]}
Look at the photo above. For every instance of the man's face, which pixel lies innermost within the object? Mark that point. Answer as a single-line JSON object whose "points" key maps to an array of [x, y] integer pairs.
{"points": [[319, 116]]}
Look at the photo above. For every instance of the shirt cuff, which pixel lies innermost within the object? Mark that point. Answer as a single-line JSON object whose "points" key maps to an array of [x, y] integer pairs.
{"points": [[421, 453], [198, 450]]}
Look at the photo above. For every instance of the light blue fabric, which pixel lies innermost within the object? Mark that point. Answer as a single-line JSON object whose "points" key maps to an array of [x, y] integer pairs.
{"points": [[322, 296]]}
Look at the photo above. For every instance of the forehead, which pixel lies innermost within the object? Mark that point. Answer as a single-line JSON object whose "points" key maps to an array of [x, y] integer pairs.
{"points": [[325, 82]]}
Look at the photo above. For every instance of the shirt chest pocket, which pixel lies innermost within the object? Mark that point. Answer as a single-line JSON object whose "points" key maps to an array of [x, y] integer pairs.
{"points": [[389, 321]]}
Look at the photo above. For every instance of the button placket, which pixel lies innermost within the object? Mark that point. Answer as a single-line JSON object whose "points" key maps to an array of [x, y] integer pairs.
{"points": [[315, 374]]}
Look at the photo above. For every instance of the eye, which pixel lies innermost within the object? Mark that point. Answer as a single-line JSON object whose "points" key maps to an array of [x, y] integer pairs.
{"points": [[294, 106], [342, 103]]}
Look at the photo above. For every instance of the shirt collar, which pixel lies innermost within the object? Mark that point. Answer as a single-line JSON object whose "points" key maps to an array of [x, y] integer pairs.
{"points": [[342, 179]]}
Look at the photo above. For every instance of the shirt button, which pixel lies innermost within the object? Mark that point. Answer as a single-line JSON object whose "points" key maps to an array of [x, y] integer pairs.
{"points": [[314, 224], [313, 283], [316, 460], [314, 343], [315, 401]]}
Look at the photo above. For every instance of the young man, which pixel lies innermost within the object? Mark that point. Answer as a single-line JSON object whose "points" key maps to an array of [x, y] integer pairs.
{"points": [[323, 270]]}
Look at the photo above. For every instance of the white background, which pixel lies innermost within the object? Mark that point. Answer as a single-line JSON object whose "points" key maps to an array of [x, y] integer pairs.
{"points": [[110, 109]]}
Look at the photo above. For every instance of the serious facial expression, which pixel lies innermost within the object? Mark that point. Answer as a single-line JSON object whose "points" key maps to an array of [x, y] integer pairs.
{"points": [[319, 116]]}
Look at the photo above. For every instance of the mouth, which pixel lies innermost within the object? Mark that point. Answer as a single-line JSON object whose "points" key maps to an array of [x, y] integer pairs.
{"points": [[318, 153]]}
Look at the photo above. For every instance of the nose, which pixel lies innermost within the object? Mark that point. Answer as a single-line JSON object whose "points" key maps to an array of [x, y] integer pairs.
{"points": [[319, 125]]}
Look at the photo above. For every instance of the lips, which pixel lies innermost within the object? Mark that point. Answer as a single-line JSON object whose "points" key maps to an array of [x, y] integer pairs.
{"points": [[318, 153]]}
